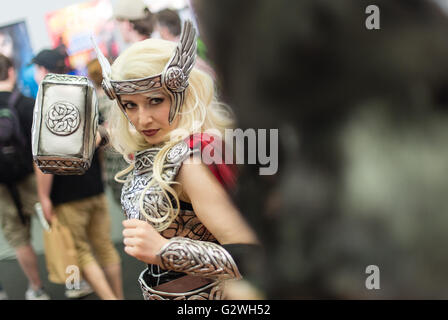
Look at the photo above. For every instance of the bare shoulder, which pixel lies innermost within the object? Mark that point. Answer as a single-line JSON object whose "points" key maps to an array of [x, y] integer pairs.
{"points": [[194, 175], [212, 204]]}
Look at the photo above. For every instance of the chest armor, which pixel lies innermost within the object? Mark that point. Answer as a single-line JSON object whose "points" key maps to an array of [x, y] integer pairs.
{"points": [[155, 204]]}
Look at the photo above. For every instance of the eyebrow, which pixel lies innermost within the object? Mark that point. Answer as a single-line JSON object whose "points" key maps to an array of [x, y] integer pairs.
{"points": [[151, 95], [126, 101], [157, 94]]}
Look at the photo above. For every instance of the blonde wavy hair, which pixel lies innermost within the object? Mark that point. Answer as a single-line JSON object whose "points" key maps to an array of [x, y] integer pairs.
{"points": [[200, 112]]}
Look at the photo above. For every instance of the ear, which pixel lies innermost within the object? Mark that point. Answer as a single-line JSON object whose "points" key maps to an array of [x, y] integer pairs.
{"points": [[11, 73]]}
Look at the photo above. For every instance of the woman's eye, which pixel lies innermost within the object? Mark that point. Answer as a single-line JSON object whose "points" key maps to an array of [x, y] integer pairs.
{"points": [[129, 105], [156, 100]]}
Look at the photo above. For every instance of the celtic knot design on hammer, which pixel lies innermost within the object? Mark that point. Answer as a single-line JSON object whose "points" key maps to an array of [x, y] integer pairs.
{"points": [[62, 118]]}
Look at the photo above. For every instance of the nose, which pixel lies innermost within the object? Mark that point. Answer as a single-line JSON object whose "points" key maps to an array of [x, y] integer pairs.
{"points": [[144, 117]]}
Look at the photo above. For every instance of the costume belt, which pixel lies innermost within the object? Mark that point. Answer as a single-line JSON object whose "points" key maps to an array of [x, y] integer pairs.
{"points": [[183, 284]]}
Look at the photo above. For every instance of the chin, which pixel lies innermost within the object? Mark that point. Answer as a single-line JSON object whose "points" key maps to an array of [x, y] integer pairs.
{"points": [[153, 140], [156, 139]]}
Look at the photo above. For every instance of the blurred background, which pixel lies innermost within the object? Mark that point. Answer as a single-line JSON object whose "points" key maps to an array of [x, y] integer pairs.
{"points": [[362, 119], [363, 132]]}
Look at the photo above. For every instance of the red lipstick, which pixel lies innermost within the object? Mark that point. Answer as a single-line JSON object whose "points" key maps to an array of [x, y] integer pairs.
{"points": [[150, 133]]}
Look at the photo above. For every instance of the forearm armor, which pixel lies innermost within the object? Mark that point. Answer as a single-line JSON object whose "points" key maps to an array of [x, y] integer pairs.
{"points": [[198, 258]]}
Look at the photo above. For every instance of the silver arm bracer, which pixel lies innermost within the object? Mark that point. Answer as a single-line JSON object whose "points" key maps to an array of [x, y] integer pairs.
{"points": [[198, 258]]}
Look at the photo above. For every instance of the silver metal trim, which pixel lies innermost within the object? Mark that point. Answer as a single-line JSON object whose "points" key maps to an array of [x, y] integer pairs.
{"points": [[198, 258]]}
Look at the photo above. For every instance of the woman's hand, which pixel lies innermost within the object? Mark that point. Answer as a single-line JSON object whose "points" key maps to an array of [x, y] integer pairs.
{"points": [[142, 241]]}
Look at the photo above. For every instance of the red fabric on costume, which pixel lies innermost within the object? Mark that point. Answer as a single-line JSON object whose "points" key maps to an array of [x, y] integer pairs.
{"points": [[225, 173]]}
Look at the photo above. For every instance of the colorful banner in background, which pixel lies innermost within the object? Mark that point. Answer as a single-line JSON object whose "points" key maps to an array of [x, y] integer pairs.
{"points": [[15, 44], [73, 26]]}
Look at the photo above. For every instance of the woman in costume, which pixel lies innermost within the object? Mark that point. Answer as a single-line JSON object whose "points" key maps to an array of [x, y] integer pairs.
{"points": [[180, 218]]}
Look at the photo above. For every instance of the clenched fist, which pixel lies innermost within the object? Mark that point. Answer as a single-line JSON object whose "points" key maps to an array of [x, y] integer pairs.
{"points": [[142, 241]]}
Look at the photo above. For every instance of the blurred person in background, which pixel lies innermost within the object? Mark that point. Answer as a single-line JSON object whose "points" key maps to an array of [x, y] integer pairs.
{"points": [[18, 193], [48, 61], [80, 204], [363, 130], [168, 25], [135, 20]]}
